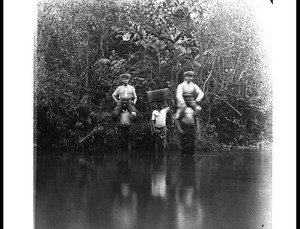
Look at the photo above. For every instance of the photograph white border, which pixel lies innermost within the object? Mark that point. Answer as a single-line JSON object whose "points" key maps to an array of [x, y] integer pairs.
{"points": [[19, 26]]}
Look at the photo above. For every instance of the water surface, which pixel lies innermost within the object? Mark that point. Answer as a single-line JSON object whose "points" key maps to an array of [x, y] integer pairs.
{"points": [[141, 190]]}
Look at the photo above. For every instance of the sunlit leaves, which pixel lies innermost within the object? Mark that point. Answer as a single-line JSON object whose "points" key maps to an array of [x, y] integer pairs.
{"points": [[126, 37]]}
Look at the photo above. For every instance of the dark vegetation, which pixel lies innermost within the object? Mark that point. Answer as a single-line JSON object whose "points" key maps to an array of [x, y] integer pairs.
{"points": [[83, 46]]}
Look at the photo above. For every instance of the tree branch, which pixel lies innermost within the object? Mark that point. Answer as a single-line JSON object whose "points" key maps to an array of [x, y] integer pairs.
{"points": [[212, 65], [227, 103], [207, 80]]}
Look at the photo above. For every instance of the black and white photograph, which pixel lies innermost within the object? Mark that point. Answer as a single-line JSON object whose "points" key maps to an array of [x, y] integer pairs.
{"points": [[141, 114]]}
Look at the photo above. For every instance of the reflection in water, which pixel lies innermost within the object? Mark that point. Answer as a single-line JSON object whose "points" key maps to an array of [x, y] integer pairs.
{"points": [[189, 212], [158, 178], [122, 190], [158, 185], [124, 208]]}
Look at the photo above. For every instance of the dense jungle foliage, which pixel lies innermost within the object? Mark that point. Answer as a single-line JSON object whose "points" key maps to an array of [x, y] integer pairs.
{"points": [[82, 47]]}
